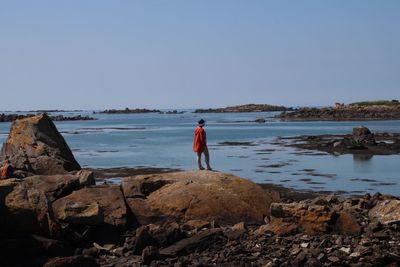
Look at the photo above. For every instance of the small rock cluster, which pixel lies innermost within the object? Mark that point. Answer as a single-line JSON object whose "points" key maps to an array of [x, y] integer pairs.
{"points": [[361, 141]]}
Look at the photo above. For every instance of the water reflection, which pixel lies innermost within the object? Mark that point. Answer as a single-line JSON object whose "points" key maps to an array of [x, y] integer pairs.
{"points": [[362, 157], [363, 163]]}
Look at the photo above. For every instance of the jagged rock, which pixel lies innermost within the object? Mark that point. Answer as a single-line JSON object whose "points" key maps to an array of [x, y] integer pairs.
{"points": [[72, 261], [143, 239], [6, 186], [196, 195], [299, 217], [28, 205], [166, 233], [93, 205], [386, 212], [363, 136], [197, 242], [149, 254], [347, 224], [34, 145]]}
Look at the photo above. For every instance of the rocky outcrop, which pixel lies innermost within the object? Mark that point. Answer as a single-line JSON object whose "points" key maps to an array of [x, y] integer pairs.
{"points": [[386, 212], [294, 217], [244, 108], [343, 113], [96, 205], [34, 146], [207, 196], [361, 141], [13, 117], [129, 111], [27, 205]]}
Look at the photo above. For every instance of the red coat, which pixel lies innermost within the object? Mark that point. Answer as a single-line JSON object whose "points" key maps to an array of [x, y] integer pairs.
{"points": [[199, 142]]}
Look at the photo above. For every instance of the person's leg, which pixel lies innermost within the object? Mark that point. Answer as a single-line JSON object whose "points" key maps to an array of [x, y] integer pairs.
{"points": [[207, 157], [199, 161]]}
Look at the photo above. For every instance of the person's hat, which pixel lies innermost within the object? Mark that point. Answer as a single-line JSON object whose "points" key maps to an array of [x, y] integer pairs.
{"points": [[201, 122]]}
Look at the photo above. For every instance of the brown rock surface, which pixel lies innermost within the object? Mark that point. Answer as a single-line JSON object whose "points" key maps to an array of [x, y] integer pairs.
{"points": [[196, 195], [72, 261], [28, 203], [92, 206], [299, 217], [386, 212], [34, 145], [347, 224]]}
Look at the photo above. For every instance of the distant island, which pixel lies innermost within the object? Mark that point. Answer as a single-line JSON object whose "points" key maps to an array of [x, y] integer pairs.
{"points": [[13, 117], [366, 110], [245, 108], [129, 111]]}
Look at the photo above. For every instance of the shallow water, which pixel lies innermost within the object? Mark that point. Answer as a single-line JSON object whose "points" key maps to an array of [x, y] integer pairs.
{"points": [[165, 140]]}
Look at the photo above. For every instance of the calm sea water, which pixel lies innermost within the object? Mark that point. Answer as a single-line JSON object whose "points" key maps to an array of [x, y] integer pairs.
{"points": [[164, 140]]}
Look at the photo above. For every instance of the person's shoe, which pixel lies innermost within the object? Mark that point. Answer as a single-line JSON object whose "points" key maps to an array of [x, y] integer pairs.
{"points": [[209, 169], [201, 168]]}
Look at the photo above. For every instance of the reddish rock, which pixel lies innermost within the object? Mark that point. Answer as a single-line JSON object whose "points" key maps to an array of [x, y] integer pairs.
{"points": [[196, 195], [299, 217], [34, 145], [93, 205], [28, 204], [347, 224]]}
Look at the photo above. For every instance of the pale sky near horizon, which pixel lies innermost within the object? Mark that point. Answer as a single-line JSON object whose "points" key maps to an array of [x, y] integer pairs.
{"points": [[97, 54]]}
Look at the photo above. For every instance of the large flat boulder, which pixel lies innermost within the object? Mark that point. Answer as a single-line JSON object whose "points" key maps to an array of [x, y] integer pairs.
{"points": [[196, 195], [34, 146], [97, 205], [28, 205]]}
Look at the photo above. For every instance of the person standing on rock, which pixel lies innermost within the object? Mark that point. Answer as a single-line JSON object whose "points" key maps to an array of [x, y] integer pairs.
{"points": [[200, 145]]}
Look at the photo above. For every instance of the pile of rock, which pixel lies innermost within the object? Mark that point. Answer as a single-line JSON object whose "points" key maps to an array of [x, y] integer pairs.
{"points": [[326, 231]]}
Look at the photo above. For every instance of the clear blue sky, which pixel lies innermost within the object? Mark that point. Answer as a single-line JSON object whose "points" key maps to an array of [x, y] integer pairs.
{"points": [[96, 54]]}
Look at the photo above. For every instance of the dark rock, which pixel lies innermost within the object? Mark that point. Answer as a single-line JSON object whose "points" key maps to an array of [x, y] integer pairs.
{"points": [[129, 111], [363, 136], [244, 108], [166, 234], [143, 239], [347, 224], [197, 242], [28, 205], [92, 206], [72, 261], [149, 254], [34, 145]]}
